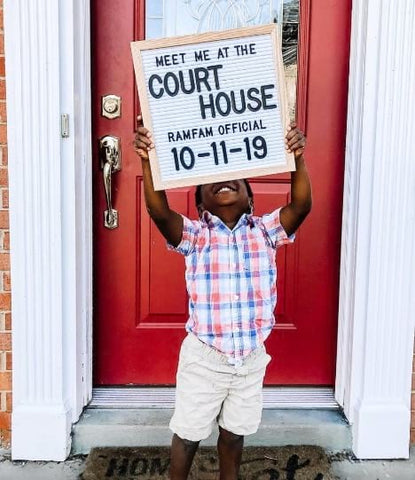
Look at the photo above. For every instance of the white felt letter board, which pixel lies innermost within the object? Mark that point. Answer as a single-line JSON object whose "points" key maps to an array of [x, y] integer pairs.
{"points": [[216, 105]]}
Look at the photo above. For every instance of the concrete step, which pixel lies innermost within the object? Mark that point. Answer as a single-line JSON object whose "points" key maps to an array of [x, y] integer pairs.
{"points": [[149, 427]]}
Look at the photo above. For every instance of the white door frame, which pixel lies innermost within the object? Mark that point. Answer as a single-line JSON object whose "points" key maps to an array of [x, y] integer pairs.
{"points": [[48, 74], [377, 288], [48, 64]]}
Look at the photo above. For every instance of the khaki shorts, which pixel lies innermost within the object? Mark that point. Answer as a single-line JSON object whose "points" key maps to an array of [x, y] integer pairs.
{"points": [[209, 390]]}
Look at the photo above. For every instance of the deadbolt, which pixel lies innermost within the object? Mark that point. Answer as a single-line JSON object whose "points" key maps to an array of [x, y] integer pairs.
{"points": [[111, 106]]}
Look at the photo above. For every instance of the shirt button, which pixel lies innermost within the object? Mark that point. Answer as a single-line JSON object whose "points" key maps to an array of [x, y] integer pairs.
{"points": [[236, 297]]}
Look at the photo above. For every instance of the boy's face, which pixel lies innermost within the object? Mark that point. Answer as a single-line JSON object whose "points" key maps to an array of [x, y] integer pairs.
{"points": [[220, 196]]}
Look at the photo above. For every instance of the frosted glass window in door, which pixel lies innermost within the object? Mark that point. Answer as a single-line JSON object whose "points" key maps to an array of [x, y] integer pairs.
{"points": [[168, 18]]}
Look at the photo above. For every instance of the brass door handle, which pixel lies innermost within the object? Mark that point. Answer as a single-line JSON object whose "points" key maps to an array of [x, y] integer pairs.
{"points": [[110, 156]]}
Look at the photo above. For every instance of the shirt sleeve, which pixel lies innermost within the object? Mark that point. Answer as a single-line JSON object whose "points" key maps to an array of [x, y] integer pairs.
{"points": [[274, 229], [190, 233]]}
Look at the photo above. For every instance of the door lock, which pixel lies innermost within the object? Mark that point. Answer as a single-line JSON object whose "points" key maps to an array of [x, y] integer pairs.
{"points": [[110, 157], [111, 106]]}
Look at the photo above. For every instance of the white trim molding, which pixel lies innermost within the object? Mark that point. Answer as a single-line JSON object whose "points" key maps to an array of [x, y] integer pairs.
{"points": [[377, 293], [47, 65]]}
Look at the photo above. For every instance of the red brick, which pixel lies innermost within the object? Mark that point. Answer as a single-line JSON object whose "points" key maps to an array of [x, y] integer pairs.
{"points": [[5, 420], [9, 361], [413, 403], [5, 438], [1, 44], [5, 301], [4, 261], [5, 198], [6, 282], [3, 133], [6, 241], [9, 401], [2, 89], [4, 219], [4, 177], [8, 321], [5, 347], [3, 107], [5, 342], [1, 18], [4, 159], [413, 436], [5, 381]]}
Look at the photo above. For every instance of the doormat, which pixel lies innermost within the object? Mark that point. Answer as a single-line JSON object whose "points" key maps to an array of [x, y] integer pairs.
{"points": [[258, 463]]}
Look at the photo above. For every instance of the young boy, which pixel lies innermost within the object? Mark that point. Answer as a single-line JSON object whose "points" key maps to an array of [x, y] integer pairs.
{"points": [[231, 282]]}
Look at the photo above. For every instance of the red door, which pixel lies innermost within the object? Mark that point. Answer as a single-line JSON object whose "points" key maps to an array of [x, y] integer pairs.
{"points": [[140, 299]]}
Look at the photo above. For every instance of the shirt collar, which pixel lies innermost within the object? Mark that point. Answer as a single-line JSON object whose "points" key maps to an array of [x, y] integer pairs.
{"points": [[212, 221]]}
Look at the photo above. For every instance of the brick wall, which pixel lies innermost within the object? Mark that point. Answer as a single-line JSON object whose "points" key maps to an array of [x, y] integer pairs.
{"points": [[5, 315]]}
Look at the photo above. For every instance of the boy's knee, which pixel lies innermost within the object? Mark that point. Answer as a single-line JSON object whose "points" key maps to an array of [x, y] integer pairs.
{"points": [[188, 444], [229, 437]]}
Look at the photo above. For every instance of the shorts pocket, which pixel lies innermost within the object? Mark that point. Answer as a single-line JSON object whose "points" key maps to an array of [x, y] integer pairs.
{"points": [[186, 359], [259, 362]]}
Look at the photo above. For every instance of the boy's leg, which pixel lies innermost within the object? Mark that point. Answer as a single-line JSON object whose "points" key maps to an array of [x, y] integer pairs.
{"points": [[230, 453], [241, 412], [182, 453], [200, 391]]}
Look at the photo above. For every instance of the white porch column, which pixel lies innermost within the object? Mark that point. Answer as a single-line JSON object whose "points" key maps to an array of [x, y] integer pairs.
{"points": [[47, 66], [377, 297]]}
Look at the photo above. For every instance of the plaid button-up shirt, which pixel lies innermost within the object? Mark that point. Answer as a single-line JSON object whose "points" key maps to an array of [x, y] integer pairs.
{"points": [[231, 278]]}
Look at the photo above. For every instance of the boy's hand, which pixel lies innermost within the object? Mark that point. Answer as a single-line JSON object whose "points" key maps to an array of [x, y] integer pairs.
{"points": [[293, 214], [295, 141], [143, 141], [167, 221]]}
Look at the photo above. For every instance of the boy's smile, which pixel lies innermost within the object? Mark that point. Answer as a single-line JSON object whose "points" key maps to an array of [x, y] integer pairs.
{"points": [[224, 187], [227, 200], [223, 193]]}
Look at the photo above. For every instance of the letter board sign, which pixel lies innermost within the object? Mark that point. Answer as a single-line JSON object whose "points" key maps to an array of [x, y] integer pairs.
{"points": [[216, 105]]}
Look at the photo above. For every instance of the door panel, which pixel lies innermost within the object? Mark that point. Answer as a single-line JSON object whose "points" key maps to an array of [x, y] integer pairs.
{"points": [[140, 299]]}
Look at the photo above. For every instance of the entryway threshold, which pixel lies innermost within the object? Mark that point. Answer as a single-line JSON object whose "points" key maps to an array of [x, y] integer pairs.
{"points": [[115, 426], [163, 397]]}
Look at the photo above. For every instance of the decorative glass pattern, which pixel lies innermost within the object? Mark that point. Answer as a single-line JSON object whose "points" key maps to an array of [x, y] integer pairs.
{"points": [[181, 17], [225, 14], [290, 21]]}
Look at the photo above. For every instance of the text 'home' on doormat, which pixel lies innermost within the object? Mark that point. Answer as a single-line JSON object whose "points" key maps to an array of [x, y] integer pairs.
{"points": [[258, 463]]}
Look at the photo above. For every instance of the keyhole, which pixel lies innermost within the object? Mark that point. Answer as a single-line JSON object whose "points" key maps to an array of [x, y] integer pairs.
{"points": [[111, 106]]}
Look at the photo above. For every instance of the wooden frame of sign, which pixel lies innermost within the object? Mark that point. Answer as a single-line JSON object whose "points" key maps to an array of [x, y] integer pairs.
{"points": [[216, 105]]}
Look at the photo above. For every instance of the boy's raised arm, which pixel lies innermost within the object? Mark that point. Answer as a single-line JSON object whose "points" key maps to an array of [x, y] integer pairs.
{"points": [[293, 214], [169, 222]]}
